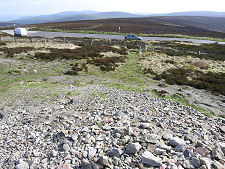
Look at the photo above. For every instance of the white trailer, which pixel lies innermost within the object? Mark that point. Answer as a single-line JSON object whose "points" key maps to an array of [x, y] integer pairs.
{"points": [[20, 32]]}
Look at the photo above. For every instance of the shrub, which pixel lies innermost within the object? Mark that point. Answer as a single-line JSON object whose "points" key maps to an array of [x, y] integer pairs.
{"points": [[107, 63], [76, 68], [207, 51], [80, 53], [160, 93], [210, 81], [10, 52], [2, 44]]}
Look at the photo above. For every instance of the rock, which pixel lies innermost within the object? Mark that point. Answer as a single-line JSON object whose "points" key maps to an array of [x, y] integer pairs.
{"points": [[159, 151], [1, 116], [66, 147], [151, 160], [176, 141], [188, 165], [53, 153], [64, 166], [196, 162], [85, 154], [108, 120], [144, 125], [203, 167], [188, 153], [22, 165], [180, 148], [104, 160], [167, 136], [74, 137], [222, 146], [222, 128], [115, 152], [217, 153], [91, 152], [165, 147], [202, 151], [217, 165], [88, 165], [132, 148], [205, 161]]}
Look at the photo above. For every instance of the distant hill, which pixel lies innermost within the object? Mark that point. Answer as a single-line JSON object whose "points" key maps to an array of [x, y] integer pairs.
{"points": [[72, 16], [147, 25], [3, 24], [197, 13], [208, 23]]}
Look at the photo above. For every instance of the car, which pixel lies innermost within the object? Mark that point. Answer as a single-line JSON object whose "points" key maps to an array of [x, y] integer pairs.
{"points": [[132, 37]]}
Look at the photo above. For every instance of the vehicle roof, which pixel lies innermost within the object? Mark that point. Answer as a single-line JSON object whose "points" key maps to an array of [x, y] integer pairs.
{"points": [[20, 28]]}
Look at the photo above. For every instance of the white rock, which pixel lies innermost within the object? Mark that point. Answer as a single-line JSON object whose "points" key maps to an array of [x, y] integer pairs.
{"points": [[22, 165], [53, 153], [176, 141], [151, 160], [159, 151], [91, 152], [144, 125], [104, 160], [206, 162]]}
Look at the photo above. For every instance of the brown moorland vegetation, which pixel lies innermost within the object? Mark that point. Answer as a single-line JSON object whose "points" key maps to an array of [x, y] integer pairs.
{"points": [[210, 81], [204, 51], [131, 25]]}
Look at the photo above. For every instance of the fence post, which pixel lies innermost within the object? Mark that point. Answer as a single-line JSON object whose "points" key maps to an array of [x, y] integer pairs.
{"points": [[140, 49]]}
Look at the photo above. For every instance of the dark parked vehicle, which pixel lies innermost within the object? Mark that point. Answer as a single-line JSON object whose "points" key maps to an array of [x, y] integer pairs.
{"points": [[132, 37]]}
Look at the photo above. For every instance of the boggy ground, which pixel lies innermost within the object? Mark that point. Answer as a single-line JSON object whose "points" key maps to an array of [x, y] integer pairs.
{"points": [[99, 118]]}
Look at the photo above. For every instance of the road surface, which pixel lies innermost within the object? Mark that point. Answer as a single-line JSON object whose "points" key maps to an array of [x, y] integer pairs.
{"points": [[105, 36]]}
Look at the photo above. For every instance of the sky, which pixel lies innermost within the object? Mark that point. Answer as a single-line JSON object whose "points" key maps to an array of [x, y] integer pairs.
{"points": [[38, 7]]}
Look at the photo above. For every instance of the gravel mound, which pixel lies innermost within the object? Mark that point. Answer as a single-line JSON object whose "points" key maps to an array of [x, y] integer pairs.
{"points": [[118, 129]]}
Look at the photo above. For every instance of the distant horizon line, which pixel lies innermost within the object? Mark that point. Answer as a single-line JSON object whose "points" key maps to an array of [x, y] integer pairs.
{"points": [[141, 13]]}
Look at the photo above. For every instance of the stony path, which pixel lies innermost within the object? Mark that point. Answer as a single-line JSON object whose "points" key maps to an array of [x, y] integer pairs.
{"points": [[114, 129], [104, 36]]}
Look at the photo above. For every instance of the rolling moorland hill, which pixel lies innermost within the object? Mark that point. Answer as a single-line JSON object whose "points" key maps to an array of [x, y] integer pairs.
{"points": [[90, 15], [197, 13], [203, 22], [3, 24], [146, 25], [72, 16]]}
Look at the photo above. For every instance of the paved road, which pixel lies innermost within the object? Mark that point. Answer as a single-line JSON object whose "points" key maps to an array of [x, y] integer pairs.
{"points": [[103, 36]]}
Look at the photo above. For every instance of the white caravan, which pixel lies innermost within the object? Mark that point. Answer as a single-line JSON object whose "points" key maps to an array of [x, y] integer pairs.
{"points": [[20, 32]]}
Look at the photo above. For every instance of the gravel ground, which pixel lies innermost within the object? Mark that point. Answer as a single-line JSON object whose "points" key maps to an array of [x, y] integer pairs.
{"points": [[102, 36], [110, 129]]}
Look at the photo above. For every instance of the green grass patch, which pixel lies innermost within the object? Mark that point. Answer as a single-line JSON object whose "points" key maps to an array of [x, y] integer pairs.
{"points": [[72, 94], [209, 114], [99, 94]]}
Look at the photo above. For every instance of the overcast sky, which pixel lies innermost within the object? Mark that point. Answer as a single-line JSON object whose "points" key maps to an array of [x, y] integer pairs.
{"points": [[36, 7]]}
